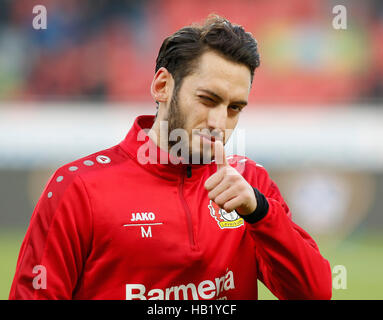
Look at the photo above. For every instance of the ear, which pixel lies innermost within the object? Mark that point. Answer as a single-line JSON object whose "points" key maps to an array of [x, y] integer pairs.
{"points": [[161, 85]]}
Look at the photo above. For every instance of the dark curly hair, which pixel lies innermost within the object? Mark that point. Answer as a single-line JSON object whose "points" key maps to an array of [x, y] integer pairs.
{"points": [[180, 51]]}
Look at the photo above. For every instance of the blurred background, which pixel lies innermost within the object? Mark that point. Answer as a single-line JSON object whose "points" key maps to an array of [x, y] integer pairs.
{"points": [[315, 118]]}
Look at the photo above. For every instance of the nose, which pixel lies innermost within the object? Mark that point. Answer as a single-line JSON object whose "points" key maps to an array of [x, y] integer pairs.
{"points": [[217, 117]]}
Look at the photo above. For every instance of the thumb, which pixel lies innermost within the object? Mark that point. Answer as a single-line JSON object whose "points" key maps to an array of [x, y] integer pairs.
{"points": [[219, 155]]}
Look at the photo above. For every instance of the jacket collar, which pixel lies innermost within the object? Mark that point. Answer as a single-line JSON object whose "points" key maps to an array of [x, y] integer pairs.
{"points": [[137, 143]]}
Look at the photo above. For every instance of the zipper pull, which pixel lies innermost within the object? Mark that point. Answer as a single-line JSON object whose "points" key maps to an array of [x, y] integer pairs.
{"points": [[188, 171]]}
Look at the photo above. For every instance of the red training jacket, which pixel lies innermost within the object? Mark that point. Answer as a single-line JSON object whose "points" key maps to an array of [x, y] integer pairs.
{"points": [[109, 227]]}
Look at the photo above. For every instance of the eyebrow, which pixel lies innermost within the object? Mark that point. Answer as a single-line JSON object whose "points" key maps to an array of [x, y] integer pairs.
{"points": [[219, 98]]}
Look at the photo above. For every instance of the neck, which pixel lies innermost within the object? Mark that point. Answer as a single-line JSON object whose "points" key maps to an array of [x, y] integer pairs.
{"points": [[154, 133]]}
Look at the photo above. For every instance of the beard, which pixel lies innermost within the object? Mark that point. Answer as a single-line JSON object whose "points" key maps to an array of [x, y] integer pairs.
{"points": [[178, 120]]}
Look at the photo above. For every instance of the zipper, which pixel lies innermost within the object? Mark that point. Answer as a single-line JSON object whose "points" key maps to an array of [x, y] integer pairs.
{"points": [[188, 171], [189, 219]]}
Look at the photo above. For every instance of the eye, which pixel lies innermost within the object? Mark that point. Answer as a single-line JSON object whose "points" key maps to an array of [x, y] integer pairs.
{"points": [[207, 99], [236, 108]]}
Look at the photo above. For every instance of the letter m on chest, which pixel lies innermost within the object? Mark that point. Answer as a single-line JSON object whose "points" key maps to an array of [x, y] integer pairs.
{"points": [[146, 233]]}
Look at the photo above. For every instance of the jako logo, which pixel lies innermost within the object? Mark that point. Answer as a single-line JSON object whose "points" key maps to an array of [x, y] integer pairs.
{"points": [[206, 289], [143, 216]]}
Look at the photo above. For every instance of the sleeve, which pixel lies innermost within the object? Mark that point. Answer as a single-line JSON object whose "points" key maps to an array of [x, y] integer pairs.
{"points": [[289, 261], [57, 242]]}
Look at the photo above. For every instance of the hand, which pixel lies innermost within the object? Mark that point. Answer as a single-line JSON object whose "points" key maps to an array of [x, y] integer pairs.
{"points": [[227, 188]]}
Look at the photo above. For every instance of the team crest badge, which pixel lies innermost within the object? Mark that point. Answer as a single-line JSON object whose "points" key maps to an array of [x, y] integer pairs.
{"points": [[225, 220]]}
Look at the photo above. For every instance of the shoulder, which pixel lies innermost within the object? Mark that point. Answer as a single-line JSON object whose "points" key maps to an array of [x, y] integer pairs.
{"points": [[75, 174], [245, 165], [254, 172], [98, 163], [258, 177]]}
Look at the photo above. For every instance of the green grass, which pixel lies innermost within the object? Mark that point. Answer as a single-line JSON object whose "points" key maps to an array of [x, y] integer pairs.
{"points": [[362, 256], [10, 243]]}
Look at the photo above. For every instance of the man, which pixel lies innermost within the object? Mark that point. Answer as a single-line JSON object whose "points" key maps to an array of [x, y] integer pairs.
{"points": [[147, 220]]}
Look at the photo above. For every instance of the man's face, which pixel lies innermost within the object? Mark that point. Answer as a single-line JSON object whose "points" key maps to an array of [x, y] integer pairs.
{"points": [[208, 103]]}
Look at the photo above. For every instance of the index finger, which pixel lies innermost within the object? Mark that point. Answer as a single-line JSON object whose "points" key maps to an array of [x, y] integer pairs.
{"points": [[219, 155]]}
